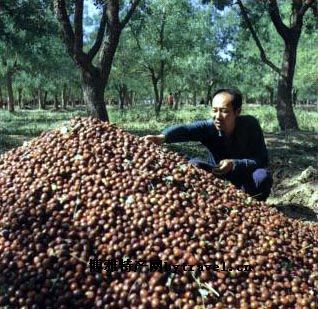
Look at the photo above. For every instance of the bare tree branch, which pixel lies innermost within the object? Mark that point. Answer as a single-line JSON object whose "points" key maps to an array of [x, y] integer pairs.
{"points": [[78, 25], [303, 10], [113, 13], [146, 64], [161, 42], [256, 39], [113, 34], [314, 8], [153, 75], [73, 42], [100, 35], [274, 14], [162, 30], [113, 31], [67, 30], [7, 9], [129, 13]]}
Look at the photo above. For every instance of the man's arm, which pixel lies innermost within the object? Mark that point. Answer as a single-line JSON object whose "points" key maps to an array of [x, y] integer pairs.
{"points": [[195, 131]]}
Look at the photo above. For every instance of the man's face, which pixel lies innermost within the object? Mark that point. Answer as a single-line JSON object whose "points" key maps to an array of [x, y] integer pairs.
{"points": [[223, 113]]}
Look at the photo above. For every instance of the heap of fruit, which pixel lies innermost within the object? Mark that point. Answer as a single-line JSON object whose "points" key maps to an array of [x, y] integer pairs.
{"points": [[92, 191]]}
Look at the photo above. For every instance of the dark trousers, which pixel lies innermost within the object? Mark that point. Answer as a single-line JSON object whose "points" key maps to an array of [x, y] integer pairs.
{"points": [[258, 183]]}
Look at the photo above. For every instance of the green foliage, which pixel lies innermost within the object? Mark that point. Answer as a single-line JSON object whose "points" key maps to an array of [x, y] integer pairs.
{"points": [[23, 19], [164, 16], [200, 43], [245, 68], [189, 51], [31, 49], [306, 79]]}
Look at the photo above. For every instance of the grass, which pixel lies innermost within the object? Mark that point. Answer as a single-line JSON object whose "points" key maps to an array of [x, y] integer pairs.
{"points": [[140, 120], [33, 122], [143, 118]]}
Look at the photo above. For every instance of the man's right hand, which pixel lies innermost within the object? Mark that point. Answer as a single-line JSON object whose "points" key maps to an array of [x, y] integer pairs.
{"points": [[157, 139]]}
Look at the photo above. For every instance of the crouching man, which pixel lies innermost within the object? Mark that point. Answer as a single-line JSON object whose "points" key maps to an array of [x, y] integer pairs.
{"points": [[237, 150]]}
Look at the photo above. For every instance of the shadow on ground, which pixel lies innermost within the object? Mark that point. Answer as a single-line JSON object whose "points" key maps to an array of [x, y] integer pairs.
{"points": [[8, 142], [297, 211]]}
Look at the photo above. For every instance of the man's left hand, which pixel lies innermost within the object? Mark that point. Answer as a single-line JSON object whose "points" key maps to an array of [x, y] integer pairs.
{"points": [[224, 167]]}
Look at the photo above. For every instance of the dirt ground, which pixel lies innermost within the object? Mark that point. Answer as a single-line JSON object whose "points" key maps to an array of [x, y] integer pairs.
{"points": [[294, 164]]}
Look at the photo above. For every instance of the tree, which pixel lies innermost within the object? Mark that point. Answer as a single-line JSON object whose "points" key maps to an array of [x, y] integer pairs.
{"points": [[161, 44], [23, 24], [306, 75], [127, 76], [94, 77], [242, 62], [195, 70], [290, 36], [10, 67]]}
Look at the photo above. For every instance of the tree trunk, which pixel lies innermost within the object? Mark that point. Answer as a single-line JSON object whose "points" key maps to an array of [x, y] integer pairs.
{"points": [[20, 97], [162, 85], [290, 35], [208, 95], [127, 97], [56, 102], [156, 91], [123, 93], [10, 92], [284, 105], [93, 90], [72, 102], [131, 98], [271, 97], [294, 96], [195, 98], [107, 35], [44, 99], [181, 99], [161, 74], [176, 101], [121, 102], [1, 99], [64, 97], [40, 99]]}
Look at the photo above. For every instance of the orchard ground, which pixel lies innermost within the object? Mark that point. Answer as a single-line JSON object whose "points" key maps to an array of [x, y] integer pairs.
{"points": [[293, 155]]}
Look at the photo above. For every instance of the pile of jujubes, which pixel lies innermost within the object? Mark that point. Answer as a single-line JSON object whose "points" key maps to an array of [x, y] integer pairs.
{"points": [[92, 191]]}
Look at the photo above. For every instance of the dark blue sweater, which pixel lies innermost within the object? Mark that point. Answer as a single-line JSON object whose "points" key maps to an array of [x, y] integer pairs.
{"points": [[246, 145]]}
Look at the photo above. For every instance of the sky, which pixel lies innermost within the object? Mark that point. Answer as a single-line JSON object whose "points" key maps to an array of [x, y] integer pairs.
{"points": [[89, 11], [90, 8]]}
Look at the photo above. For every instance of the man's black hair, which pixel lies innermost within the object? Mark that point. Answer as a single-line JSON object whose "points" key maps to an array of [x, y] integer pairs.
{"points": [[237, 97]]}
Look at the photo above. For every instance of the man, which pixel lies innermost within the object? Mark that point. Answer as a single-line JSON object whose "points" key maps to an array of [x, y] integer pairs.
{"points": [[237, 150]]}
